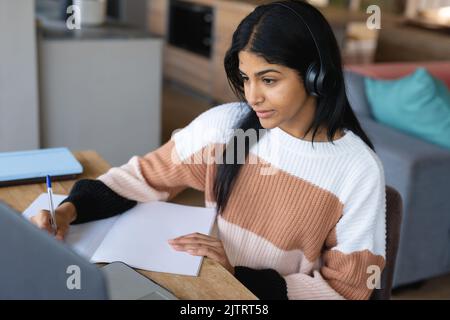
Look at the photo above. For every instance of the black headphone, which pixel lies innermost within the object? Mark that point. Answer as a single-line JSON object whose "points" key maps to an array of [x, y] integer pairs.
{"points": [[318, 80]]}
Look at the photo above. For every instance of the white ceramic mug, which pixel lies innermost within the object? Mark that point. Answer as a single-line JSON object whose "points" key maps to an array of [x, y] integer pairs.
{"points": [[92, 12]]}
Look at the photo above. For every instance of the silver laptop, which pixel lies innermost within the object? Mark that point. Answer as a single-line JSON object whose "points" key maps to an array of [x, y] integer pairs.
{"points": [[33, 265]]}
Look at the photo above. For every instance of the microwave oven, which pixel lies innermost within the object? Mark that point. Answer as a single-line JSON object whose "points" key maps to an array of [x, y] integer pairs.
{"points": [[190, 27]]}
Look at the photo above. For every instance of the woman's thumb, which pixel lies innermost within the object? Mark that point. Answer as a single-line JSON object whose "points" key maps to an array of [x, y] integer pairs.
{"points": [[60, 233]]}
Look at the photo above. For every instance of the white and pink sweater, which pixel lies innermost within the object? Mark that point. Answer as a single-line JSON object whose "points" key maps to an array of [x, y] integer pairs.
{"points": [[314, 214]]}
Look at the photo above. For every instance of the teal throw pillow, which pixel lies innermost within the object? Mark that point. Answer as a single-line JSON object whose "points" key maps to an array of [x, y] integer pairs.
{"points": [[417, 104]]}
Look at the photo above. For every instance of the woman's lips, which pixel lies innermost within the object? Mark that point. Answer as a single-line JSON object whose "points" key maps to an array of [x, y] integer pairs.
{"points": [[265, 114]]}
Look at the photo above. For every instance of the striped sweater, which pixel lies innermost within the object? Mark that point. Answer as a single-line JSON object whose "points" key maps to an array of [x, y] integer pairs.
{"points": [[303, 221]]}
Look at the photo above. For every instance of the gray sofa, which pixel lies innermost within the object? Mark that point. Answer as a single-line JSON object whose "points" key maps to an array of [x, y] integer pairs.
{"points": [[420, 171]]}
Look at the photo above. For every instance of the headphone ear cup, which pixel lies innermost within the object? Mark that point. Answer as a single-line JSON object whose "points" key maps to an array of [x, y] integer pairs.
{"points": [[318, 81], [311, 79], [326, 81]]}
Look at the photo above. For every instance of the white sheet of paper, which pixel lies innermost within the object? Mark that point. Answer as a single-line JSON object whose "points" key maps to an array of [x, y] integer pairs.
{"points": [[139, 236]]}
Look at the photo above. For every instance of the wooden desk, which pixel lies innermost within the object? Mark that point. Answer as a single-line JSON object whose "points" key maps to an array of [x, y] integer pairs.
{"points": [[214, 282]]}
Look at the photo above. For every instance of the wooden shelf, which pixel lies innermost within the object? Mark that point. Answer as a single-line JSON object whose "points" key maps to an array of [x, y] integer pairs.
{"points": [[206, 76], [157, 17], [188, 68], [227, 18]]}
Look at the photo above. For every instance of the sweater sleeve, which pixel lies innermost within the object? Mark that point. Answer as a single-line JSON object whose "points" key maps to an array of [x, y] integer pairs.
{"points": [[266, 284], [159, 175], [354, 248], [93, 200]]}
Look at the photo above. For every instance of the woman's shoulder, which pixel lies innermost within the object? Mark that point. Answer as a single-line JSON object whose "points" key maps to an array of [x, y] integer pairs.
{"points": [[361, 179], [225, 115], [217, 122], [215, 125], [364, 165]]}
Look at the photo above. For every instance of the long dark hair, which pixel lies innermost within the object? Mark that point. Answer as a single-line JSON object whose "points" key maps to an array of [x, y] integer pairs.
{"points": [[278, 36]]}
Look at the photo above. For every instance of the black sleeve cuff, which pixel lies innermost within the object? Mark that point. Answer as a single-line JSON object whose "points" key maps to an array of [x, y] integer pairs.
{"points": [[94, 200], [266, 284]]}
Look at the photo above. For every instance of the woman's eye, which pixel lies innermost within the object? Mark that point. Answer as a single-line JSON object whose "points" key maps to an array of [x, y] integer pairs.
{"points": [[245, 79], [269, 81]]}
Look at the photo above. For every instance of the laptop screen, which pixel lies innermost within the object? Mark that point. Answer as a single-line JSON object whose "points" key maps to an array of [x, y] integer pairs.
{"points": [[33, 265]]}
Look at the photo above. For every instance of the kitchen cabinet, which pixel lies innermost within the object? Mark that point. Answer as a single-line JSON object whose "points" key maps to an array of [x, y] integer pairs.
{"points": [[100, 89], [227, 18], [202, 74]]}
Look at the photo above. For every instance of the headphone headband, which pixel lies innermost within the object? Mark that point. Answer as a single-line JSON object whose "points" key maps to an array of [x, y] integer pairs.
{"points": [[315, 78], [307, 26]]}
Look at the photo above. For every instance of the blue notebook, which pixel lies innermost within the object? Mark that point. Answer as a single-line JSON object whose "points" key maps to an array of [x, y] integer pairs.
{"points": [[33, 166]]}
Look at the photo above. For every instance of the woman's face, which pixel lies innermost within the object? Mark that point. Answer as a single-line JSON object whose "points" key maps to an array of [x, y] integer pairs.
{"points": [[277, 94]]}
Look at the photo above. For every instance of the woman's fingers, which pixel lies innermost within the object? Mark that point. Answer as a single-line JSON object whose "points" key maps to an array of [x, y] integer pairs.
{"points": [[200, 249], [204, 251], [42, 221], [194, 246], [197, 235], [197, 244], [193, 243], [61, 233], [195, 240]]}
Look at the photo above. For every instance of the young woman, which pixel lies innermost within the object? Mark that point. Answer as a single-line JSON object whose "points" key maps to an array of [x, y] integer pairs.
{"points": [[303, 216]]}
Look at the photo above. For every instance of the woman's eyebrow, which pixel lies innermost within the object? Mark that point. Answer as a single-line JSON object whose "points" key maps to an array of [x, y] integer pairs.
{"points": [[262, 72]]}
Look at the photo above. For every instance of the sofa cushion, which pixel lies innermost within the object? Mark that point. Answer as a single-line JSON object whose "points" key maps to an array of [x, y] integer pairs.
{"points": [[356, 93], [418, 104]]}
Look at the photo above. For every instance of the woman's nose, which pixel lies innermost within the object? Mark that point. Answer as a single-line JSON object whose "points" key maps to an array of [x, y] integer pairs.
{"points": [[253, 95]]}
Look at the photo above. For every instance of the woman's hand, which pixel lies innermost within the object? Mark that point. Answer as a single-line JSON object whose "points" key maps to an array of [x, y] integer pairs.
{"points": [[198, 244], [65, 214]]}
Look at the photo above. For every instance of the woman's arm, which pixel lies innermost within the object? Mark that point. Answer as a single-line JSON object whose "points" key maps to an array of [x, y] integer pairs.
{"points": [[354, 248], [157, 176], [93, 200], [266, 284]]}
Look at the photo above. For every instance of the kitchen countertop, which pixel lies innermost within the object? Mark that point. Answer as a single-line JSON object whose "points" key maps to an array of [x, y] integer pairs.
{"points": [[335, 15], [57, 30]]}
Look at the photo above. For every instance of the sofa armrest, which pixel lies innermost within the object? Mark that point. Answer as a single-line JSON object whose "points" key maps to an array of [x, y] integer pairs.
{"points": [[420, 171], [403, 145]]}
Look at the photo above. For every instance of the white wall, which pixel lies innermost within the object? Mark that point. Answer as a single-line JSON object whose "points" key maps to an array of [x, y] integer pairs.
{"points": [[101, 94], [19, 129]]}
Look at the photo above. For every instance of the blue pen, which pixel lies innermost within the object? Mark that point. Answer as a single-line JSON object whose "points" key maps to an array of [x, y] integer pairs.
{"points": [[50, 203]]}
